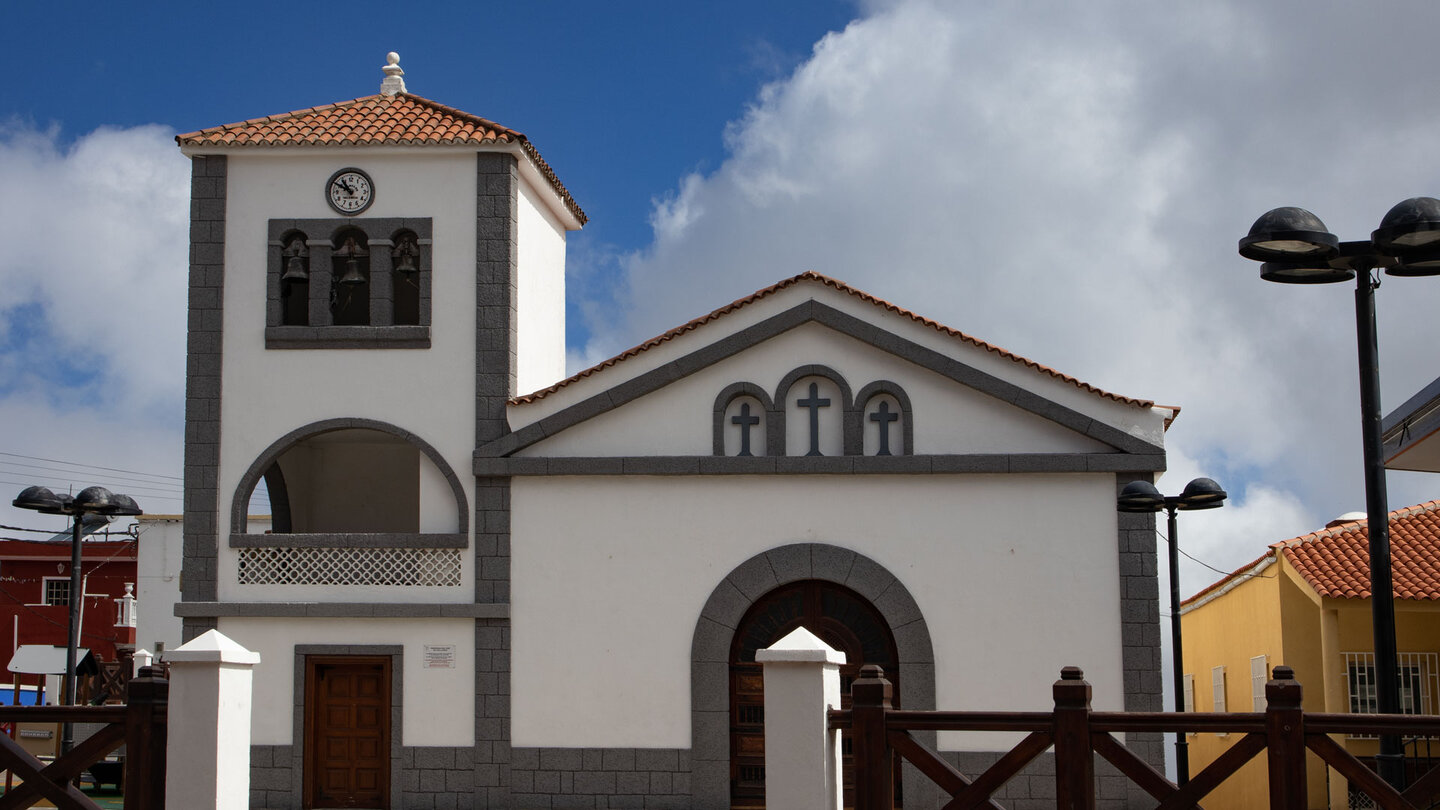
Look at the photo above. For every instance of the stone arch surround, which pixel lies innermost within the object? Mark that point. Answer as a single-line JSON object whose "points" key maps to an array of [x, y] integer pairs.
{"points": [[241, 499], [715, 629]]}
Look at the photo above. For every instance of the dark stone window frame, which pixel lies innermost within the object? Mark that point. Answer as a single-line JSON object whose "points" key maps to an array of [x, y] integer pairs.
{"points": [[321, 333]]}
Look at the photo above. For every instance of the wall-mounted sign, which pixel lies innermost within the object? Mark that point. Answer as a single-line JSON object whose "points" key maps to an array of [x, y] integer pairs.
{"points": [[439, 656]]}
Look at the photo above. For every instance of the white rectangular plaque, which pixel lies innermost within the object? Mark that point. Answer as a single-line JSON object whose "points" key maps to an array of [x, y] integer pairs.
{"points": [[439, 656]]}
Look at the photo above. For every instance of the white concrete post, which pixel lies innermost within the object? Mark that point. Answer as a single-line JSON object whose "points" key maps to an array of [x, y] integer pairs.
{"points": [[207, 764], [142, 658], [802, 755]]}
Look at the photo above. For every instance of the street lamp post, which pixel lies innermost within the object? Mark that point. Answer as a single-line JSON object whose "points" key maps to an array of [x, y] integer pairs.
{"points": [[90, 501], [1296, 248], [1142, 496]]}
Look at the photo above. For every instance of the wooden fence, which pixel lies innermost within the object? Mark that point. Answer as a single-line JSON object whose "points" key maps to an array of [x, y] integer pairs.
{"points": [[1078, 734], [139, 725]]}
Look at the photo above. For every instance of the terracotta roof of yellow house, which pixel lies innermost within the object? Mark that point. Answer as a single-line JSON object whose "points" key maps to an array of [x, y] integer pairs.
{"points": [[378, 120], [1336, 561]]}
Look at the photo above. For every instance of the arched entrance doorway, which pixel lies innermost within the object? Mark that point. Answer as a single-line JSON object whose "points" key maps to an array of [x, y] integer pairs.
{"points": [[841, 618]]}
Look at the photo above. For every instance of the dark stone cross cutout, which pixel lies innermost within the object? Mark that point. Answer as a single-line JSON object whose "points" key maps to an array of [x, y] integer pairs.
{"points": [[745, 421], [814, 403], [884, 417]]}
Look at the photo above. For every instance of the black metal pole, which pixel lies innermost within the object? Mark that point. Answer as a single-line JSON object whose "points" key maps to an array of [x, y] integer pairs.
{"points": [[72, 641], [1177, 654], [1391, 759]]}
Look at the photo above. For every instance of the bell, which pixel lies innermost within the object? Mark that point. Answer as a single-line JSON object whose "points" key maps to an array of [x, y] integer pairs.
{"points": [[352, 275], [406, 264], [295, 270]]}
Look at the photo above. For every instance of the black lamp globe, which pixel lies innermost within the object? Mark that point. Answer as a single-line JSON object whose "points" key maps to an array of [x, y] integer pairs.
{"points": [[1411, 233], [1202, 493], [39, 499], [1140, 496], [1288, 235], [95, 499], [1412, 226], [1296, 248], [124, 506]]}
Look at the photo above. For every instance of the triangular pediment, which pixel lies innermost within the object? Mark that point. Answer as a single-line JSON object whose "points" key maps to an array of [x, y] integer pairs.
{"points": [[815, 370]]}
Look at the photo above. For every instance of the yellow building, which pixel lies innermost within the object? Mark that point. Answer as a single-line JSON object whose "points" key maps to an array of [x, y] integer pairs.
{"points": [[1305, 604]]}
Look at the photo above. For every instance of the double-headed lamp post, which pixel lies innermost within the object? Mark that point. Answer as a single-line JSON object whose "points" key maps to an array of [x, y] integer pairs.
{"points": [[90, 501], [1297, 249], [1142, 496]]}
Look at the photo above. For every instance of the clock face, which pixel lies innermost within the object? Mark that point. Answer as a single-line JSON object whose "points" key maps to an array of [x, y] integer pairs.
{"points": [[350, 191]]}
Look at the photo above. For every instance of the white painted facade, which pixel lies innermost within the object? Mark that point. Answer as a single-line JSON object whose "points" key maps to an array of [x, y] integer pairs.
{"points": [[439, 704], [980, 575]]}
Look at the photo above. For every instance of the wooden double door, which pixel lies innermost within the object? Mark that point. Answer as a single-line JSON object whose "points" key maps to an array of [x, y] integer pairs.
{"points": [[839, 617], [347, 732]]}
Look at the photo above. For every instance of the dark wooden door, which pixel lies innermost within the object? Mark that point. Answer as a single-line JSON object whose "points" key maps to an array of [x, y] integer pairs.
{"points": [[347, 732], [839, 617]]}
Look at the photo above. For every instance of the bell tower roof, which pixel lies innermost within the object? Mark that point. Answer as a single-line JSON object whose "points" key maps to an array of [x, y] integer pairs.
{"points": [[390, 118]]}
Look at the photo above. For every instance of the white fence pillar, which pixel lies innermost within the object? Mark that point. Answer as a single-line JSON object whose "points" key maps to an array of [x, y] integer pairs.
{"points": [[802, 755], [142, 658], [207, 764]]}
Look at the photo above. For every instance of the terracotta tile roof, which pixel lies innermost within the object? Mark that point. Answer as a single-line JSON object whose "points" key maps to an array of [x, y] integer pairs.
{"points": [[377, 120], [811, 276], [1246, 570], [1336, 562]]}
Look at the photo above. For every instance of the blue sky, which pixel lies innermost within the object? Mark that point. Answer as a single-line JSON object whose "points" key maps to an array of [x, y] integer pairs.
{"points": [[1065, 180]]}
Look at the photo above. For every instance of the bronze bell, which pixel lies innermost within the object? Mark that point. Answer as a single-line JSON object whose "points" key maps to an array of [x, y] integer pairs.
{"points": [[295, 270], [352, 275], [350, 251], [405, 253]]}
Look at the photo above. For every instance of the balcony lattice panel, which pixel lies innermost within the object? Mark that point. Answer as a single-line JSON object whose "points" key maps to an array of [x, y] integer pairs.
{"points": [[401, 567]]}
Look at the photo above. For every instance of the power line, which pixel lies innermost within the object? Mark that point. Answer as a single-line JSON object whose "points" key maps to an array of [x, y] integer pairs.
{"points": [[176, 495], [90, 466], [144, 480]]}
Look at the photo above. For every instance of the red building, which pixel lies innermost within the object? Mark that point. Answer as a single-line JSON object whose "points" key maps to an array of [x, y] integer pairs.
{"points": [[35, 593]]}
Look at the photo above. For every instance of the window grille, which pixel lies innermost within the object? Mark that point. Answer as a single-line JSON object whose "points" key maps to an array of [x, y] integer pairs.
{"points": [[57, 591], [423, 567], [1419, 678], [1259, 674]]}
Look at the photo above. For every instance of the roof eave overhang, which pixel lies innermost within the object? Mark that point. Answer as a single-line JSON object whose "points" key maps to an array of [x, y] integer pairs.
{"points": [[1411, 433], [554, 202]]}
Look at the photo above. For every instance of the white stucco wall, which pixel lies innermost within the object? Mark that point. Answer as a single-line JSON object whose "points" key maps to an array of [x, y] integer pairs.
{"points": [[438, 704], [268, 393], [949, 417], [540, 328], [157, 588], [1016, 575]]}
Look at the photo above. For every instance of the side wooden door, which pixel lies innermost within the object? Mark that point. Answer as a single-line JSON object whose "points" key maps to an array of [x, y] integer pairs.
{"points": [[347, 732]]}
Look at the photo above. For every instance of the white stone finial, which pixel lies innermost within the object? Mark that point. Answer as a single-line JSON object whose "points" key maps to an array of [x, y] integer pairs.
{"points": [[393, 82]]}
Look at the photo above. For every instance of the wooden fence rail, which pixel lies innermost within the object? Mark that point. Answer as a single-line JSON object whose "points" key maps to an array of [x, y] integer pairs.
{"points": [[1284, 731], [139, 725]]}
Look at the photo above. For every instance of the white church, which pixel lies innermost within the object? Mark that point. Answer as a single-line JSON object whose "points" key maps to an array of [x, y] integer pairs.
{"points": [[489, 585]]}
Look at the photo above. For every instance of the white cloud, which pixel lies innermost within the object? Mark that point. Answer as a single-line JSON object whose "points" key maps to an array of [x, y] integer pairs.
{"points": [[1069, 181], [92, 305]]}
